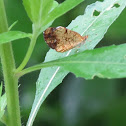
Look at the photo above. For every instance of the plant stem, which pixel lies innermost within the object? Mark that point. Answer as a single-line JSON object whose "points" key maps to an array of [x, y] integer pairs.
{"points": [[34, 68], [29, 52], [11, 82], [37, 67]]}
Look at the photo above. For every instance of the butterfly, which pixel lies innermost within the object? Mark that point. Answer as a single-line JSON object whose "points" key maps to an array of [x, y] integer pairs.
{"points": [[62, 39]]}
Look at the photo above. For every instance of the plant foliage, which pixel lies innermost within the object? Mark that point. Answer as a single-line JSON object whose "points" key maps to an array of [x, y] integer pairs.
{"points": [[95, 26]]}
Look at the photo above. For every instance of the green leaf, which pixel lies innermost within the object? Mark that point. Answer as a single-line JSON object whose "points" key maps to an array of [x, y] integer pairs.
{"points": [[46, 8], [43, 12], [55, 4], [93, 26], [12, 25], [37, 9], [13, 35], [107, 62], [1, 89], [61, 9], [3, 103]]}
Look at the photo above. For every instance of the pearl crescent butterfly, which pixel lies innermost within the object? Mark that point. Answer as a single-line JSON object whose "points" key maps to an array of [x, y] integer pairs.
{"points": [[62, 39]]}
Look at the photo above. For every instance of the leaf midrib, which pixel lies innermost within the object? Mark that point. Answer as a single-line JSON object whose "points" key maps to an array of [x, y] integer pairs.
{"points": [[85, 62]]}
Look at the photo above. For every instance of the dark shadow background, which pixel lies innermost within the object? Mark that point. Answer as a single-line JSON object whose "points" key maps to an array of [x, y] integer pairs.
{"points": [[75, 102]]}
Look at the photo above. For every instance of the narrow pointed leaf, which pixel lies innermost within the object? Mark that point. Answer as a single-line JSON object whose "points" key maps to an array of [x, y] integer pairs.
{"points": [[61, 9], [107, 62], [37, 9], [13, 35], [12, 25], [3, 103]]}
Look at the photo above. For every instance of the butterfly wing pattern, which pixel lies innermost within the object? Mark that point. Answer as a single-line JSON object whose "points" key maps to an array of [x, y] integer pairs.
{"points": [[62, 39]]}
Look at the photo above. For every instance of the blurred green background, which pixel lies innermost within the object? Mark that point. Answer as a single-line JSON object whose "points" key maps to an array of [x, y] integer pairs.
{"points": [[75, 102]]}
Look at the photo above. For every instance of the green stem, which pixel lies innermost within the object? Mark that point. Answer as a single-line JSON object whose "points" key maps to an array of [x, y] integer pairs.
{"points": [[36, 67], [29, 52], [11, 82]]}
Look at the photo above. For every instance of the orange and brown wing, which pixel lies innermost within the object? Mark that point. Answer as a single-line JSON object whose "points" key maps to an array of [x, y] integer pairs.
{"points": [[62, 39]]}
